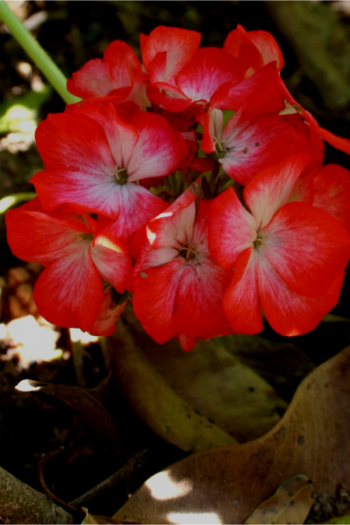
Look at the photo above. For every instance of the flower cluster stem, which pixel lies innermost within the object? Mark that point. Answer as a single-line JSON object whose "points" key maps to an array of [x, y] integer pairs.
{"points": [[36, 53]]}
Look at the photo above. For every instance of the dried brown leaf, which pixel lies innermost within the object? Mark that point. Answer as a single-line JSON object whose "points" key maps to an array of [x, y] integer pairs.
{"points": [[93, 519], [291, 503], [225, 485], [88, 407]]}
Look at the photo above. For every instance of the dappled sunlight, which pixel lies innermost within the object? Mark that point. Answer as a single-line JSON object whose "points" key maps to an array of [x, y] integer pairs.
{"points": [[26, 386], [193, 517], [29, 341], [162, 487], [85, 338]]}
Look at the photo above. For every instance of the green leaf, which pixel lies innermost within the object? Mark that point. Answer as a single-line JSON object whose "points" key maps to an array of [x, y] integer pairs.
{"points": [[212, 382], [341, 520], [21, 113], [154, 401]]}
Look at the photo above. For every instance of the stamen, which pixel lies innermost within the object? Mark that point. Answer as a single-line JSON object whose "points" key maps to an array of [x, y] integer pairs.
{"points": [[121, 175], [188, 252], [259, 241]]}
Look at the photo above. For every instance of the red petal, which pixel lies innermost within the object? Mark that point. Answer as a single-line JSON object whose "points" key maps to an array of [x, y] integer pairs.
{"points": [[174, 227], [287, 312], [272, 188], [154, 299], [137, 206], [108, 315], [264, 44], [307, 247], [34, 235], [121, 137], [113, 266], [123, 63], [231, 229], [210, 68], [241, 302], [240, 46], [253, 144], [159, 149], [73, 142], [69, 292], [267, 46], [92, 80], [187, 343], [179, 44], [332, 192], [198, 310], [265, 84]]}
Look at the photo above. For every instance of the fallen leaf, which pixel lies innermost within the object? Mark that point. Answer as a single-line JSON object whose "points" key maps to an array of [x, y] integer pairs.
{"points": [[155, 402], [291, 503], [87, 406], [283, 365], [215, 383], [225, 485], [93, 519]]}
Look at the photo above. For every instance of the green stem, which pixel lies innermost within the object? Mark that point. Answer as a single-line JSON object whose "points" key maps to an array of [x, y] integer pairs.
{"points": [[36, 53]]}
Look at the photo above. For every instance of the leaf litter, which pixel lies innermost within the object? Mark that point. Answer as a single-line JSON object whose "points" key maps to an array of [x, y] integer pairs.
{"points": [[225, 485]]}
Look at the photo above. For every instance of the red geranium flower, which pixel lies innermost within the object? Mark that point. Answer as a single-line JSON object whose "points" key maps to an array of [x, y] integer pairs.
{"points": [[77, 258], [288, 257], [178, 288]]}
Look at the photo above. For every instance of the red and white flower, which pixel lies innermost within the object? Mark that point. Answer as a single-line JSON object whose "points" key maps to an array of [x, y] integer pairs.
{"points": [[77, 260], [288, 257], [93, 161], [178, 288], [119, 73]]}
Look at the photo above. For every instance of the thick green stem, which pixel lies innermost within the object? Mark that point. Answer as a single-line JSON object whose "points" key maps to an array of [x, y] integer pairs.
{"points": [[36, 53]]}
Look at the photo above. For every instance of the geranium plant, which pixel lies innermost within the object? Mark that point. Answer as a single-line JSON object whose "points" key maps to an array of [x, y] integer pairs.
{"points": [[190, 184], [185, 183]]}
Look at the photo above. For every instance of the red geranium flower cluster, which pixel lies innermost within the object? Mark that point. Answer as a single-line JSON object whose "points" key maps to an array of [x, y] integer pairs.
{"points": [[192, 183]]}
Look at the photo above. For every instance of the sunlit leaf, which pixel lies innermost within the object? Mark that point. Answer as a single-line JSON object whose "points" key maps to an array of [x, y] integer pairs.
{"points": [[155, 402], [216, 384], [225, 485], [20, 113]]}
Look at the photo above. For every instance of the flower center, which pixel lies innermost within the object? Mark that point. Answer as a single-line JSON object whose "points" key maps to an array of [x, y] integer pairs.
{"points": [[121, 175], [259, 241], [188, 252]]}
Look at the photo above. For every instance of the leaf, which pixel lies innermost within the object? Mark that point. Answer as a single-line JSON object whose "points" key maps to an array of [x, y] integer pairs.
{"points": [[218, 385], [89, 408], [225, 485], [342, 520], [214, 383], [291, 503], [20, 113], [283, 365], [93, 519], [331, 318], [155, 402]]}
